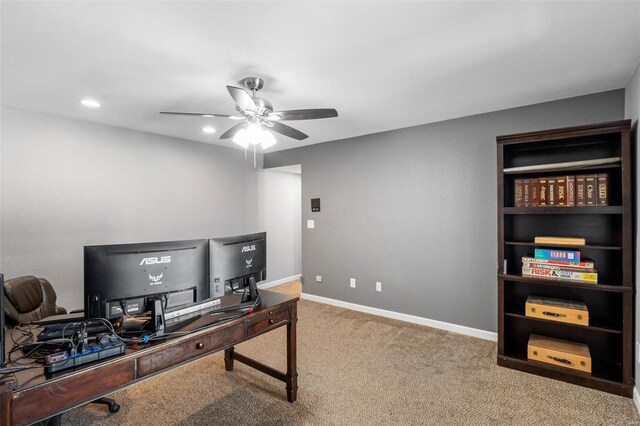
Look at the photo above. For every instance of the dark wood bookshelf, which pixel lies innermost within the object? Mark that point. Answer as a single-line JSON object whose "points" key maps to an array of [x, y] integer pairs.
{"points": [[608, 231]]}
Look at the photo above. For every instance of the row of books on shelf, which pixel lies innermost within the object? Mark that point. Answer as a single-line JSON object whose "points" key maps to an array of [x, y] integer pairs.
{"points": [[559, 265], [562, 191]]}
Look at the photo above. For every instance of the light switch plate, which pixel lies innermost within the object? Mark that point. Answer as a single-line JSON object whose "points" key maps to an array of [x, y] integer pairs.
{"points": [[352, 282], [318, 278], [311, 223]]}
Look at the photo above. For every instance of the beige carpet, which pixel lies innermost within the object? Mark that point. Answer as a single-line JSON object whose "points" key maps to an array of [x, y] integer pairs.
{"points": [[360, 369]]}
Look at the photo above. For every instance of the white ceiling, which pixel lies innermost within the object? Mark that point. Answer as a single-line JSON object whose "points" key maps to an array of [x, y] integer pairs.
{"points": [[382, 64]]}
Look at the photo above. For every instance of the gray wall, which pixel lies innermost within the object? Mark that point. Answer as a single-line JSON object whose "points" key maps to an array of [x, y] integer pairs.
{"points": [[416, 209], [67, 183], [632, 111], [279, 203]]}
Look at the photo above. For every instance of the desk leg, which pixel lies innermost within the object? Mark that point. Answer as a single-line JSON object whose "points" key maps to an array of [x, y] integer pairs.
{"points": [[228, 358], [292, 369], [55, 420]]}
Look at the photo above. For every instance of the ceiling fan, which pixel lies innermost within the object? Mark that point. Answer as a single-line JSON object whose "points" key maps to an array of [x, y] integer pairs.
{"points": [[258, 117]]}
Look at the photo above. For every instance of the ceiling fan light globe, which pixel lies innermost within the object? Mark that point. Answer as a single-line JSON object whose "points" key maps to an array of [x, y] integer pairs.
{"points": [[241, 138], [268, 140], [254, 132]]}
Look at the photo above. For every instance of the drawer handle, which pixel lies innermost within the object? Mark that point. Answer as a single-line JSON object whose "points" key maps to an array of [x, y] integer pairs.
{"points": [[270, 312], [553, 314], [561, 360], [270, 321], [199, 345]]}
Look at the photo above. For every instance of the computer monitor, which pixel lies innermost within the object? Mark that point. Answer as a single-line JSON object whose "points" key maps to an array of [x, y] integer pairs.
{"points": [[124, 278], [237, 262], [1, 320]]}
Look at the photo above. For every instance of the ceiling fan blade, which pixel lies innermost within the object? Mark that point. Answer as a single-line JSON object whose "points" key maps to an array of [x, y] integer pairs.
{"points": [[242, 98], [232, 131], [283, 129], [303, 114], [203, 114]]}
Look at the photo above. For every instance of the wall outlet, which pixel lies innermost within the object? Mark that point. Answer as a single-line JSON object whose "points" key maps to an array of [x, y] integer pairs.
{"points": [[318, 278], [311, 223], [352, 282], [378, 286]]}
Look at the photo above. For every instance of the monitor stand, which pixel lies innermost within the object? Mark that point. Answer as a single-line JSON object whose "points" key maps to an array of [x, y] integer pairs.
{"points": [[157, 316], [253, 291]]}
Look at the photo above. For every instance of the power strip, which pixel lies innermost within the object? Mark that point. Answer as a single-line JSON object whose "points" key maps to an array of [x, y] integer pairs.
{"points": [[94, 352]]}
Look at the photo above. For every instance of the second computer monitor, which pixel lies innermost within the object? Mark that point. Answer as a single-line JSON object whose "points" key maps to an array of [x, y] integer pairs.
{"points": [[233, 261]]}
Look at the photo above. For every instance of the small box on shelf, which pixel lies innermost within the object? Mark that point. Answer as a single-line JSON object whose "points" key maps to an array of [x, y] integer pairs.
{"points": [[557, 310], [561, 353]]}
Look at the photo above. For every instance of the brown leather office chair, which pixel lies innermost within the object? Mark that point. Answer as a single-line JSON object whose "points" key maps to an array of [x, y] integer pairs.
{"points": [[28, 299]]}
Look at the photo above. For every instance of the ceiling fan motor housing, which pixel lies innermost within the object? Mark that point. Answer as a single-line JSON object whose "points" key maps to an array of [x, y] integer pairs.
{"points": [[263, 105], [253, 83]]}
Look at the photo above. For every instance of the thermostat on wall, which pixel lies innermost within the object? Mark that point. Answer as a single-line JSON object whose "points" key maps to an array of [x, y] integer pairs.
{"points": [[315, 204]]}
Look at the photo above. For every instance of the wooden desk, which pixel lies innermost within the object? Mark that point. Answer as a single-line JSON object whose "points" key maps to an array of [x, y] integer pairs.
{"points": [[36, 396]]}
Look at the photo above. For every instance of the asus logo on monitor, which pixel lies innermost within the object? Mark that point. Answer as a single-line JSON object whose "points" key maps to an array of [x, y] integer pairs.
{"points": [[252, 247], [154, 260]]}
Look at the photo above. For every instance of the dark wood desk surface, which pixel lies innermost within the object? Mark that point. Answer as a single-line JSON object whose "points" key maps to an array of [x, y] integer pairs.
{"points": [[36, 396]]}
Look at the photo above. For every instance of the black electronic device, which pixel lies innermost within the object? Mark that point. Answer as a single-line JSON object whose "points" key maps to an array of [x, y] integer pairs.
{"points": [[2, 321], [315, 204], [67, 330], [127, 279], [236, 263]]}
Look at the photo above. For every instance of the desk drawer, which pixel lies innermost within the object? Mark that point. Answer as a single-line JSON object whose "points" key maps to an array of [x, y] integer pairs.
{"points": [[269, 320], [189, 349], [83, 385]]}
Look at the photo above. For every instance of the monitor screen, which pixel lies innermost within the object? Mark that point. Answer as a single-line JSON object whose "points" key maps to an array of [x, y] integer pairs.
{"points": [[120, 279], [233, 260]]}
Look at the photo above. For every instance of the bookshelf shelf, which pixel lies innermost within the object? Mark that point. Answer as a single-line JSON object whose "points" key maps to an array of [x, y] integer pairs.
{"points": [[602, 286], [597, 324], [564, 210], [602, 379], [559, 170], [608, 230], [587, 246]]}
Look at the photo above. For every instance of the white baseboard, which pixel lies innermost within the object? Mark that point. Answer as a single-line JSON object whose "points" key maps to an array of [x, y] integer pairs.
{"points": [[636, 397], [280, 281], [460, 329]]}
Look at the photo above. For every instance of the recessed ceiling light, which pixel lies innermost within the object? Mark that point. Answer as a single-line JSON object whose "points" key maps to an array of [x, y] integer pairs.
{"points": [[90, 103], [208, 130]]}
